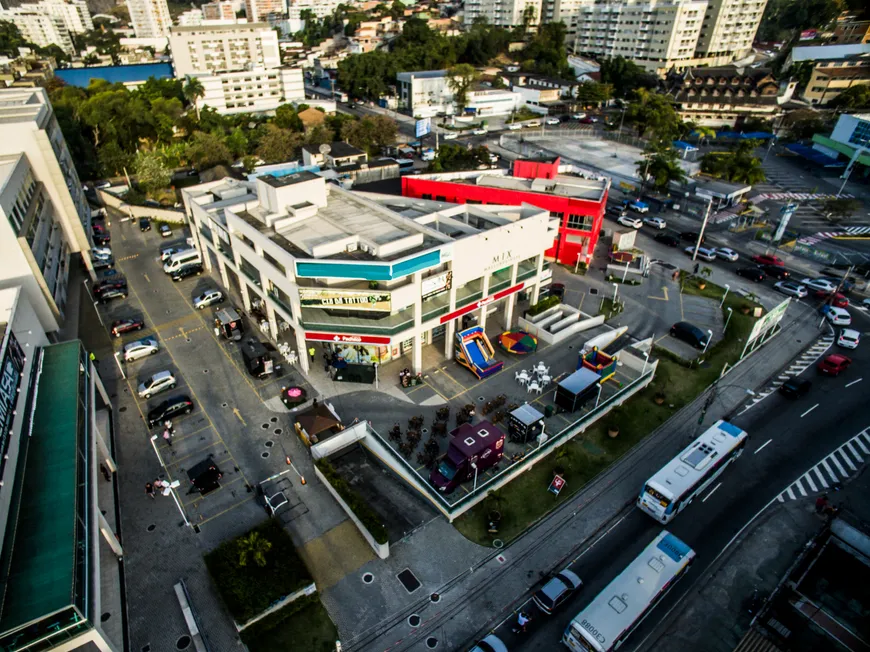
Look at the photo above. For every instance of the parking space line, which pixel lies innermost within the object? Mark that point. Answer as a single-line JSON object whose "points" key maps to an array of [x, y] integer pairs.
{"points": [[190, 434], [199, 498], [176, 460], [146, 277], [241, 502]]}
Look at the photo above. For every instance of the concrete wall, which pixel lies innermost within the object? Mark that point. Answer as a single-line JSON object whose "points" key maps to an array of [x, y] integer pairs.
{"points": [[555, 324], [339, 441], [311, 589], [163, 214], [382, 550]]}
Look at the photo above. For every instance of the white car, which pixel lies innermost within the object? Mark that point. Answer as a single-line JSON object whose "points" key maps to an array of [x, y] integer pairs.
{"points": [[791, 289], [849, 339], [655, 222], [819, 284], [628, 220], [533, 123], [450, 135], [208, 298], [139, 349], [103, 253], [838, 316], [704, 253], [552, 121], [727, 254], [166, 254], [578, 116], [515, 126], [479, 132]]}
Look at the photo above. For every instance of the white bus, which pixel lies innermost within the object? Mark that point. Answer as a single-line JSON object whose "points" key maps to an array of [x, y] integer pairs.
{"points": [[611, 617], [671, 490]]}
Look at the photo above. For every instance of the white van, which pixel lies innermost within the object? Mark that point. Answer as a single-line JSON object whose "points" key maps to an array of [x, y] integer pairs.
{"points": [[182, 259]]}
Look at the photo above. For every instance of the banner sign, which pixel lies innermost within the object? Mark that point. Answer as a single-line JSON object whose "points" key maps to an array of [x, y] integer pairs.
{"points": [[435, 285], [423, 127], [10, 381], [340, 338], [480, 304], [345, 299]]}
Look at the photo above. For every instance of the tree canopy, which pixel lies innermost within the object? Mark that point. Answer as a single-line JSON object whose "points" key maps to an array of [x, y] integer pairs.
{"points": [[856, 97], [738, 165], [652, 115], [625, 76]]}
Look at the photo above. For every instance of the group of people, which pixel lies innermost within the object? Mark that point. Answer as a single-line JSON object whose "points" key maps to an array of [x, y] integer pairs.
{"points": [[151, 488], [825, 508]]}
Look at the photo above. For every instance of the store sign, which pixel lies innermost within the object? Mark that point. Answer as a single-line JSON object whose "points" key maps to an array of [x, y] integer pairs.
{"points": [[557, 485], [502, 259], [435, 285], [345, 299], [480, 304], [10, 381], [340, 338]]}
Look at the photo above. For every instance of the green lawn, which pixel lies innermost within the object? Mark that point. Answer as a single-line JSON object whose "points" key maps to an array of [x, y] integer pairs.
{"points": [[678, 383], [302, 625]]}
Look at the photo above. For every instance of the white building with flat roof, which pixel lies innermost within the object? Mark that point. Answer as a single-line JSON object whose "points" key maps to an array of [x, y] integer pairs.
{"points": [[38, 27], [372, 276], [191, 18], [503, 13], [425, 93], [150, 18], [75, 13], [729, 29]]}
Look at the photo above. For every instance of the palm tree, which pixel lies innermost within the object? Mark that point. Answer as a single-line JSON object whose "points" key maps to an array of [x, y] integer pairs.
{"points": [[704, 133], [253, 546], [193, 90], [749, 171]]}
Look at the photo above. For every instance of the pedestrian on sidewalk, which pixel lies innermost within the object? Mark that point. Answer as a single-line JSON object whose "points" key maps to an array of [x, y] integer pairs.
{"points": [[149, 490], [167, 437], [821, 503], [168, 426], [311, 353]]}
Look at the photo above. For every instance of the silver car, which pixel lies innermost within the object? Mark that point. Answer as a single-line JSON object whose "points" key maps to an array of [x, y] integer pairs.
{"points": [[159, 382], [791, 289], [727, 254], [490, 643], [557, 590], [208, 298], [140, 349]]}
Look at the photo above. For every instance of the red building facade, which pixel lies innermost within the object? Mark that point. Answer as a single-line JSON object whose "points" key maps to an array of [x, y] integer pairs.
{"points": [[580, 218]]}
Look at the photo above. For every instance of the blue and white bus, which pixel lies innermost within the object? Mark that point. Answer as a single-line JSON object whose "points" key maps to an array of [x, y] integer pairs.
{"points": [[613, 615], [671, 490]]}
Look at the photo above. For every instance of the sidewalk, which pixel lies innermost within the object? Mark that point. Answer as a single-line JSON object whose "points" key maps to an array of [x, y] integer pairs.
{"points": [[484, 594]]}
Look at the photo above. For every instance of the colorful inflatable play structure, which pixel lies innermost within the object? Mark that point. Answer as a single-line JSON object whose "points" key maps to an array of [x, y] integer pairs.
{"points": [[474, 351], [599, 362]]}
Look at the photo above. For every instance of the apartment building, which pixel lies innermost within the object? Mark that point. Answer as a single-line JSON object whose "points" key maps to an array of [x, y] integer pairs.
{"points": [[28, 126], [190, 18], [503, 13], [150, 18], [425, 93], [38, 27], [252, 91], [75, 13], [320, 8], [851, 30], [656, 35], [219, 10], [220, 48], [313, 254], [728, 30], [258, 11], [835, 68]]}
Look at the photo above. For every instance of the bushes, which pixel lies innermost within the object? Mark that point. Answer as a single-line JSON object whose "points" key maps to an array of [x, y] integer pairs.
{"points": [[544, 304], [301, 625], [248, 590], [358, 506]]}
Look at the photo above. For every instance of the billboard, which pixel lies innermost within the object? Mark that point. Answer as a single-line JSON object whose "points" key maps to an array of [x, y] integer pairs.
{"points": [[371, 301], [10, 381], [435, 285], [765, 325], [785, 215], [423, 127]]}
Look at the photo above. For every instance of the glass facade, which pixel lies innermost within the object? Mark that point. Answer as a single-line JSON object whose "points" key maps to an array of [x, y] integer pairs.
{"points": [[861, 135]]}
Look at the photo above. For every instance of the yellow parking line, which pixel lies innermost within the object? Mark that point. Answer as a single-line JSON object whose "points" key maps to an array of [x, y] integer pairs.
{"points": [[211, 518], [198, 499], [191, 434], [199, 451]]}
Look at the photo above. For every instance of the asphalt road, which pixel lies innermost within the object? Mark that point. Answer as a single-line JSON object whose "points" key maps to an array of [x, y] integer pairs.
{"points": [[787, 437]]}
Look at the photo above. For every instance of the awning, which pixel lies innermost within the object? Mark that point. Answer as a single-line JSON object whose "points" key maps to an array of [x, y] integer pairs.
{"points": [[814, 156], [679, 144]]}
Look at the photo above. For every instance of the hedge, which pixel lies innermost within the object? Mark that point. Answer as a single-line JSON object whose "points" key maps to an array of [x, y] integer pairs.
{"points": [[357, 504], [544, 304], [249, 590]]}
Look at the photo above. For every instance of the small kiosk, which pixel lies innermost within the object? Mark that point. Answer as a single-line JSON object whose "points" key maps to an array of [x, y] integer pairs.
{"points": [[573, 392], [525, 424]]}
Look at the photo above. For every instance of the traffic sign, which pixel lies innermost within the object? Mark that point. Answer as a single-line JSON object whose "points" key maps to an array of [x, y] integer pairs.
{"points": [[557, 484]]}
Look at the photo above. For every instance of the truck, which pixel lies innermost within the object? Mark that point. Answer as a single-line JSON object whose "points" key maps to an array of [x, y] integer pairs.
{"points": [[228, 322], [258, 359], [472, 450]]}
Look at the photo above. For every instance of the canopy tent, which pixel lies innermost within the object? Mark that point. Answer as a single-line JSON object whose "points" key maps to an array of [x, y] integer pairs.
{"points": [[315, 421], [814, 156], [684, 148]]}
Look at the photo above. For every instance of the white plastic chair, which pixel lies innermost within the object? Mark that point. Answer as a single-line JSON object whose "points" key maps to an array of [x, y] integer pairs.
{"points": [[541, 369], [545, 380], [521, 377], [534, 387], [538, 388]]}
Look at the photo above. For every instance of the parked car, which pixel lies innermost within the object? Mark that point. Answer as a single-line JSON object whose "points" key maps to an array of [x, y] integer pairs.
{"points": [[169, 409], [819, 284], [102, 263], [690, 333], [102, 185], [479, 132], [515, 126], [532, 124], [101, 252], [791, 289], [186, 272], [775, 271], [704, 253], [557, 590], [166, 254], [578, 116], [165, 231], [834, 364], [849, 338], [639, 206], [752, 273], [865, 304], [795, 388], [616, 210], [691, 236], [140, 349], [102, 240], [208, 298], [156, 383], [144, 224], [834, 298], [667, 239], [845, 285], [450, 135], [589, 120], [98, 229], [121, 326], [490, 643], [727, 254], [552, 121], [112, 294], [765, 259], [837, 316], [628, 220], [655, 222]]}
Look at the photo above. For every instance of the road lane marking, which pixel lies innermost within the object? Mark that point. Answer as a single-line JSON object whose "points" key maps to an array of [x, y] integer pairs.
{"points": [[790, 493], [712, 492], [862, 446], [847, 460], [759, 449], [821, 477], [800, 487], [664, 298], [239, 415], [829, 470], [809, 480], [810, 410], [839, 466], [854, 382], [146, 277]]}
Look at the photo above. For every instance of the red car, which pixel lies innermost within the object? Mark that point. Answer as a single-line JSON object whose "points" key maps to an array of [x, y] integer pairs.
{"points": [[98, 229], [121, 326], [833, 364], [838, 300], [764, 259]]}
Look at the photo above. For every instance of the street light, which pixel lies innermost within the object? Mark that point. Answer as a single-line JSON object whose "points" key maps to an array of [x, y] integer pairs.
{"points": [[707, 343], [598, 398], [168, 489], [474, 466], [727, 288], [615, 291], [730, 312]]}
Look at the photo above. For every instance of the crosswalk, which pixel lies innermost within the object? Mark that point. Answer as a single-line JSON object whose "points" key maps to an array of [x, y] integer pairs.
{"points": [[847, 233], [832, 470], [797, 196]]}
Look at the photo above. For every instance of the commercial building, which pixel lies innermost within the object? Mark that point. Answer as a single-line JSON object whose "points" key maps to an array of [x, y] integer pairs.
{"points": [[61, 586], [575, 199], [851, 138], [150, 18], [38, 27], [503, 13], [28, 126], [258, 11], [835, 68], [849, 29], [488, 102], [239, 66], [729, 29], [190, 18], [376, 276], [219, 10], [425, 93]]}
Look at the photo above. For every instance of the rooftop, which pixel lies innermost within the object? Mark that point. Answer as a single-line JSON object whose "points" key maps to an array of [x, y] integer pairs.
{"points": [[337, 149], [288, 179], [230, 27], [575, 185], [421, 74], [829, 52]]}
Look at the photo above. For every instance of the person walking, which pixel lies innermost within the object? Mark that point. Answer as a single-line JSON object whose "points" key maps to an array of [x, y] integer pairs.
{"points": [[821, 503], [149, 490], [168, 425], [167, 437], [311, 353]]}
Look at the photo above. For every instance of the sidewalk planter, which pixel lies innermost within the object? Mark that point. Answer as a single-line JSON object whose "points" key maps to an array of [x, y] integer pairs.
{"points": [[365, 519]]}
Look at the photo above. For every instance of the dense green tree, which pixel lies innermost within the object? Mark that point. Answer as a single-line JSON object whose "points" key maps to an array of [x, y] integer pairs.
{"points": [[193, 92], [839, 208], [591, 93], [206, 150], [739, 165], [165, 88], [652, 114], [113, 160], [856, 97], [460, 79], [660, 166], [10, 39], [165, 114], [625, 76], [278, 145], [54, 51], [548, 52], [253, 546], [782, 19], [453, 157], [372, 133], [803, 123], [287, 117], [237, 142], [151, 172], [319, 135], [91, 59]]}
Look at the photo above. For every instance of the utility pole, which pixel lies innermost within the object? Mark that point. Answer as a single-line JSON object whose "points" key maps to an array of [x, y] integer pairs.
{"points": [[703, 226]]}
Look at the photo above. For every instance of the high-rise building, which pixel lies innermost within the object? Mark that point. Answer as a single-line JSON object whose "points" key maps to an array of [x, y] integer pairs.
{"points": [[320, 8], [258, 11], [503, 13], [218, 10], [75, 13], [191, 18], [38, 27], [728, 30], [150, 18]]}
